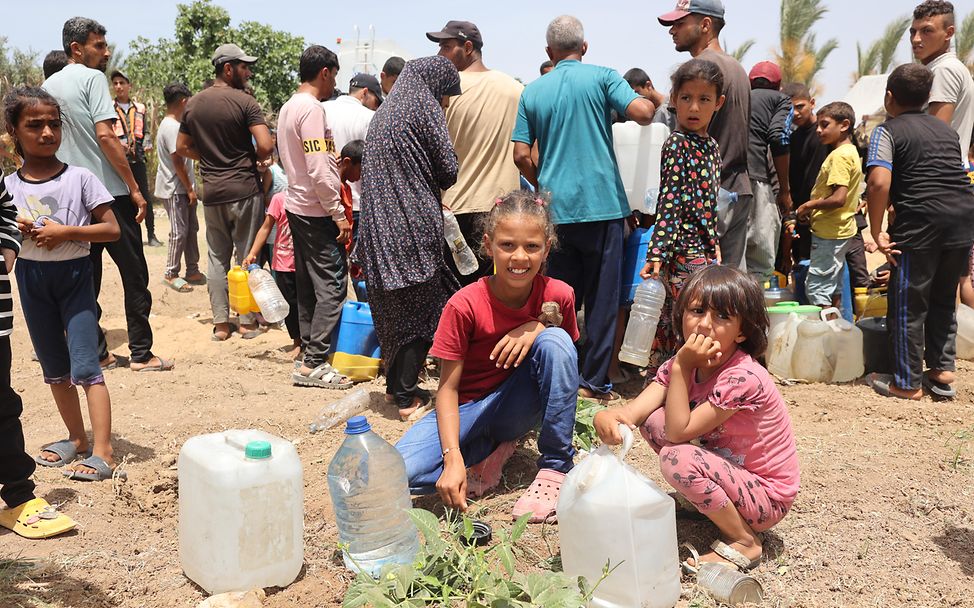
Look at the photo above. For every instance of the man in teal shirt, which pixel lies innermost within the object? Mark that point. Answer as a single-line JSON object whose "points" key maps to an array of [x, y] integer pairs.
{"points": [[568, 114]]}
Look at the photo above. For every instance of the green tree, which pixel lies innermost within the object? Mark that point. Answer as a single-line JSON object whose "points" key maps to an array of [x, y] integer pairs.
{"points": [[200, 27], [799, 56], [742, 50], [881, 54], [17, 67], [964, 39]]}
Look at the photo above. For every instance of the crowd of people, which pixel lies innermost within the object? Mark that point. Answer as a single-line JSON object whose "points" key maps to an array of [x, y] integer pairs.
{"points": [[754, 178]]}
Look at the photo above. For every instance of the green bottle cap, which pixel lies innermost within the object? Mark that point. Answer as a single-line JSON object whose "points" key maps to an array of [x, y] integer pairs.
{"points": [[258, 450]]}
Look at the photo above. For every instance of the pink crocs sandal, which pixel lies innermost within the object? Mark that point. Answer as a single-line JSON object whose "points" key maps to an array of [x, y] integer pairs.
{"points": [[485, 475], [541, 497]]}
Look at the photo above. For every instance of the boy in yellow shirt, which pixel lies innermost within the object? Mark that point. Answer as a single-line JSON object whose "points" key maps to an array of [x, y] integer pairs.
{"points": [[835, 199]]}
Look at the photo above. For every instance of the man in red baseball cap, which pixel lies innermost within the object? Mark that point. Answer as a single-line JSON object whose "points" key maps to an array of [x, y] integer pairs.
{"points": [[770, 129]]}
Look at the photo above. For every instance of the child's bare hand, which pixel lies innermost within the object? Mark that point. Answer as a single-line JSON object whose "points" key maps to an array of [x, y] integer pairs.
{"points": [[607, 424], [50, 235], [514, 347], [651, 270], [699, 351], [886, 247], [804, 212], [26, 226], [247, 261]]}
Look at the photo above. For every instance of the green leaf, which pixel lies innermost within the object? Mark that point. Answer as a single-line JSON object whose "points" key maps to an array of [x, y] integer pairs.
{"points": [[467, 528], [506, 557], [427, 524], [519, 526]]}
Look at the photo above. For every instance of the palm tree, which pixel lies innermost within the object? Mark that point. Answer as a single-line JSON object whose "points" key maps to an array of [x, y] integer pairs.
{"points": [[799, 56], [740, 51], [882, 53], [964, 39]]}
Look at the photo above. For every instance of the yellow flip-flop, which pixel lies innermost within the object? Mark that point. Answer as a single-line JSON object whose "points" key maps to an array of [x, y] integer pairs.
{"points": [[36, 519]]}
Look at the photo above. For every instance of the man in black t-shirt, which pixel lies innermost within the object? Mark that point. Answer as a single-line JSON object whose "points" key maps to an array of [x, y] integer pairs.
{"points": [[912, 164]]}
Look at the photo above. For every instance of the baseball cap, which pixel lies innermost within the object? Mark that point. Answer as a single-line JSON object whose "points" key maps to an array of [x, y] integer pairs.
{"points": [[120, 73], [231, 52], [367, 81], [767, 70], [710, 8], [459, 30]]}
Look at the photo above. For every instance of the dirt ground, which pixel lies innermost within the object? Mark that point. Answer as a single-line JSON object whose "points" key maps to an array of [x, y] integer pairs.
{"points": [[884, 516]]}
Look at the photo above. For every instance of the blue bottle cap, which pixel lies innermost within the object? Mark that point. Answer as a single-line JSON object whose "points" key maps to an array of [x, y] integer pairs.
{"points": [[252, 267], [357, 425]]}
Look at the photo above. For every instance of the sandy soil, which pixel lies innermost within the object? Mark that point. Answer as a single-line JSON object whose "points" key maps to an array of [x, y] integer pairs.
{"points": [[884, 517]]}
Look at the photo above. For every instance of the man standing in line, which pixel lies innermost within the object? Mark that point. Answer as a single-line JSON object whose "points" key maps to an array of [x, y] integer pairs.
{"points": [[89, 141], [349, 117], [315, 214], [567, 113], [134, 135], [480, 123], [695, 26], [770, 129], [390, 72], [220, 127]]}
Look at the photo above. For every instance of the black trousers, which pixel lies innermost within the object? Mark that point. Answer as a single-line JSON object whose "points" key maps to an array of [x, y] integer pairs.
{"points": [[142, 179], [321, 273], [589, 259], [16, 466], [855, 259], [287, 283], [922, 318], [472, 229], [402, 372], [129, 256]]}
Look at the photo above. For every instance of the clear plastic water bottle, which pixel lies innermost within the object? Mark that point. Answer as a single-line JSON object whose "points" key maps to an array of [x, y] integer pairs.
{"points": [[643, 319], [369, 491], [651, 201], [341, 410], [268, 296], [725, 198], [464, 258]]}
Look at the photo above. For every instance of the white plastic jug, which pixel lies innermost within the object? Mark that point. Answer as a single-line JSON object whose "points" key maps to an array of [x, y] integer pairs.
{"points": [[814, 357], [639, 151], [781, 345], [850, 363], [965, 332], [609, 511], [241, 511]]}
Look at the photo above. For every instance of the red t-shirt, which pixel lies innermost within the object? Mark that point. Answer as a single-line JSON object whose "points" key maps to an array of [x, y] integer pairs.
{"points": [[474, 321]]}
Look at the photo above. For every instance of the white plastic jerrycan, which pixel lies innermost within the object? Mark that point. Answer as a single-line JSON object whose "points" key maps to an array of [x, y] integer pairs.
{"points": [[815, 354], [241, 511], [608, 511], [850, 362], [781, 346]]}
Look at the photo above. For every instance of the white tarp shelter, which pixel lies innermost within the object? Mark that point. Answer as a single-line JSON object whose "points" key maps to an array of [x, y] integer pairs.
{"points": [[363, 54], [866, 96]]}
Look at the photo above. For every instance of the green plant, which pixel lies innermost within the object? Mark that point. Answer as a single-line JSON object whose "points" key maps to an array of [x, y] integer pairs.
{"points": [[960, 447], [585, 437], [451, 571]]}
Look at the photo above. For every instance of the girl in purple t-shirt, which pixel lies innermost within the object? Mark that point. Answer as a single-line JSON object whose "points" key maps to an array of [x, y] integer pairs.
{"points": [[715, 417]]}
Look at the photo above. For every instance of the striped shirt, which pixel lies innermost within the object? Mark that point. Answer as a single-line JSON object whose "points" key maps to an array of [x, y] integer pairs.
{"points": [[9, 239]]}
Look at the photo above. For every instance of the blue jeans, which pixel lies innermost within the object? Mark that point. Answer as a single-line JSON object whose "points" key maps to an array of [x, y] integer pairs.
{"points": [[58, 299], [544, 388], [825, 270]]}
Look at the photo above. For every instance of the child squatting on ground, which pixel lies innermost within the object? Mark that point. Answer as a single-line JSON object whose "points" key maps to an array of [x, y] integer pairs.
{"points": [[61, 210], [508, 363], [685, 238], [716, 418], [832, 208], [913, 170]]}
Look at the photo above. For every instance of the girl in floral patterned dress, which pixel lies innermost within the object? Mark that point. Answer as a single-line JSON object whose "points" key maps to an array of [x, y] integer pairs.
{"points": [[685, 238]]}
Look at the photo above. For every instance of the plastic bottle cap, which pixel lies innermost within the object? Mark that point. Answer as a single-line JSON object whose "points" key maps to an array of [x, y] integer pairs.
{"points": [[357, 425], [253, 267], [258, 450]]}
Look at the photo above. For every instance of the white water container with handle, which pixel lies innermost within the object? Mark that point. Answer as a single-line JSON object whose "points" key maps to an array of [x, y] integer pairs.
{"points": [[815, 354], [643, 319], [273, 307], [781, 345], [241, 511], [850, 362], [639, 151], [608, 511]]}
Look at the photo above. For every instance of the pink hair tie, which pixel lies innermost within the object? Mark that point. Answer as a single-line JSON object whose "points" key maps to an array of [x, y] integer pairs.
{"points": [[539, 202], [498, 201]]}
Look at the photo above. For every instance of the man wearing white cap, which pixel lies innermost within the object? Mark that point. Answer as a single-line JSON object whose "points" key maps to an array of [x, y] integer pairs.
{"points": [[220, 128]]}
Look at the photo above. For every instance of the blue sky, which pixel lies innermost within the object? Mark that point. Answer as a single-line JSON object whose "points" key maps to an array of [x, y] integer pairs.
{"points": [[620, 34]]}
